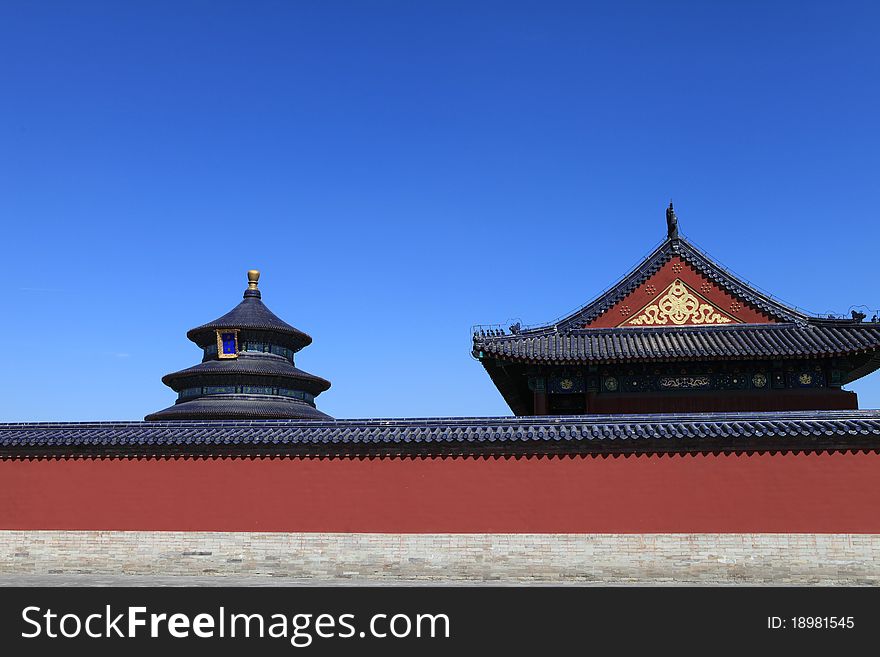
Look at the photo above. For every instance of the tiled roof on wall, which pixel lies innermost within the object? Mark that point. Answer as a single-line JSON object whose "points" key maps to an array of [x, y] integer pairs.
{"points": [[548, 435]]}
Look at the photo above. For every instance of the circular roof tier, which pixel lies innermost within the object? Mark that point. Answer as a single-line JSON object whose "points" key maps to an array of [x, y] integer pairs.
{"points": [[247, 366], [251, 314], [239, 407]]}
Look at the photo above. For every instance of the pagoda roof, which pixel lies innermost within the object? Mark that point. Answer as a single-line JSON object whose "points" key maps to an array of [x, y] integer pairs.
{"points": [[260, 365], [238, 407], [772, 330], [251, 314], [732, 433]]}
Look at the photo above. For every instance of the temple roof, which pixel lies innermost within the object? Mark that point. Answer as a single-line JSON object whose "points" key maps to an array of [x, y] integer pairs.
{"points": [[259, 365], [239, 407], [650, 344], [720, 317], [733, 433], [251, 314]]}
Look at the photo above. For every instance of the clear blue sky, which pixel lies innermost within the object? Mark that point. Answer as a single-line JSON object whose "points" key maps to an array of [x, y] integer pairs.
{"points": [[400, 171]]}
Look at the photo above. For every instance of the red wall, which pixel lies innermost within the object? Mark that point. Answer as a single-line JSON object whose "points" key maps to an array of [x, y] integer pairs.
{"points": [[758, 493]]}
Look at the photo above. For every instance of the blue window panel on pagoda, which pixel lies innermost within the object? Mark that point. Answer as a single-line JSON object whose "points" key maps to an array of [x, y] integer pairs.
{"points": [[219, 390], [257, 390], [228, 340], [189, 392], [266, 348]]}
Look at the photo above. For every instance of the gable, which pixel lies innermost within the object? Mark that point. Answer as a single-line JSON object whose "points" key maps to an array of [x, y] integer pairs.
{"points": [[679, 305], [679, 295]]}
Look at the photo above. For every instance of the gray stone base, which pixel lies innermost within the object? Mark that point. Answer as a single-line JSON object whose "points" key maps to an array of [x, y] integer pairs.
{"points": [[820, 559]]}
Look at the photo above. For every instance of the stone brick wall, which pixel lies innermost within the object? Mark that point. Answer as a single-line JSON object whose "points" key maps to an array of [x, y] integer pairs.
{"points": [[826, 559]]}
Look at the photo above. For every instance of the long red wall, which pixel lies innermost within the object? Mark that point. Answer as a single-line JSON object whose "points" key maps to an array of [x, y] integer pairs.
{"points": [[826, 493]]}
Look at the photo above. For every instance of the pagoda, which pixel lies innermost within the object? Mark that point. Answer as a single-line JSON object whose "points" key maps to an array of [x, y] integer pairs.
{"points": [[679, 333], [248, 369]]}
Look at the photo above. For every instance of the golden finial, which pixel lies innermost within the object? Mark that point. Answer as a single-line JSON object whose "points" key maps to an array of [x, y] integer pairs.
{"points": [[253, 278]]}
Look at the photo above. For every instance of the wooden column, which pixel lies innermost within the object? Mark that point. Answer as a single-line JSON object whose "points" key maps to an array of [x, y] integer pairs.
{"points": [[591, 401], [540, 403]]}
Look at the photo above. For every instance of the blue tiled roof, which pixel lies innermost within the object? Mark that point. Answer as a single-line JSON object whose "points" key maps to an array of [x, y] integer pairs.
{"points": [[634, 344], [252, 314], [704, 432], [240, 407], [254, 365]]}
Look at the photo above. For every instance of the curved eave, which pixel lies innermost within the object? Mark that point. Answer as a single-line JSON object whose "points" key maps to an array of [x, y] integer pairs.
{"points": [[508, 386], [869, 366], [731, 342], [264, 367], [251, 314], [239, 407]]}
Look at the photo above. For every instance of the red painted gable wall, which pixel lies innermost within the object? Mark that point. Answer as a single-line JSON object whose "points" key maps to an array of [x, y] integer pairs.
{"points": [[663, 278]]}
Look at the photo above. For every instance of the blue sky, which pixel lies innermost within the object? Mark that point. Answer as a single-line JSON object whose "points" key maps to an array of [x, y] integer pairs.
{"points": [[400, 171]]}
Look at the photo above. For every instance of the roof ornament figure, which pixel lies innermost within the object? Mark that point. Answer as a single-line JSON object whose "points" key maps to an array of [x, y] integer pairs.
{"points": [[253, 276], [671, 223]]}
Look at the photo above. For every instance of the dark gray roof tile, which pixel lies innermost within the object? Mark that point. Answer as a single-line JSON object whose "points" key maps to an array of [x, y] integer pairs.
{"points": [[745, 341], [728, 432], [252, 314], [253, 364], [237, 406]]}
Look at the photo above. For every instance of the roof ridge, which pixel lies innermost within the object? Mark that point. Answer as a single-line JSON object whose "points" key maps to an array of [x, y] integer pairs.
{"points": [[705, 433], [731, 281], [455, 421], [705, 264]]}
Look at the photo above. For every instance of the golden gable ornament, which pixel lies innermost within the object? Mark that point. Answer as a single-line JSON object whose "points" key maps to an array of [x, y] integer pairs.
{"points": [[679, 305]]}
